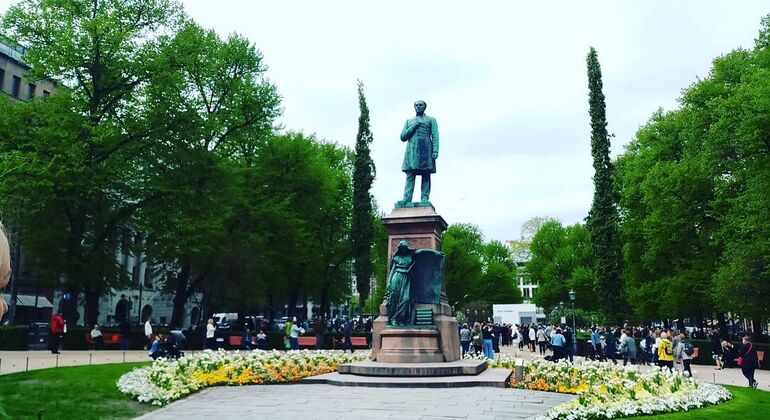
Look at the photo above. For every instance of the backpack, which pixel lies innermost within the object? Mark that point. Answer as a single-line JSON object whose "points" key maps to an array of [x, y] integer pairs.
{"points": [[688, 348], [669, 349]]}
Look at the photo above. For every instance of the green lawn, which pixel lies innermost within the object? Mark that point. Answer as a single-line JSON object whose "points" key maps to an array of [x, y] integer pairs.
{"points": [[89, 392], [746, 404], [83, 392]]}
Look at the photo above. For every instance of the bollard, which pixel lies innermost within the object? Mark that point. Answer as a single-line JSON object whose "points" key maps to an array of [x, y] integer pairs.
{"points": [[27, 368], [715, 378], [57, 360], [1, 365], [124, 357], [89, 358]]}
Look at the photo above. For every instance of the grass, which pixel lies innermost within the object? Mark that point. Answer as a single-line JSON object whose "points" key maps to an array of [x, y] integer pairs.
{"points": [[746, 404], [89, 392], [82, 392]]}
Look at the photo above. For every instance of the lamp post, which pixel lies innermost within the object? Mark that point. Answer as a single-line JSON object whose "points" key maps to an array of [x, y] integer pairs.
{"points": [[572, 296]]}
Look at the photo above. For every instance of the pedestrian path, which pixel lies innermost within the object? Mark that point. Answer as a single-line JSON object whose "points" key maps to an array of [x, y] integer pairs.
{"points": [[20, 361], [328, 402]]}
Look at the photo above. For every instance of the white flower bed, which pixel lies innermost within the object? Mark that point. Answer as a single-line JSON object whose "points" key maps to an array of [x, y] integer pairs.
{"points": [[168, 380]]}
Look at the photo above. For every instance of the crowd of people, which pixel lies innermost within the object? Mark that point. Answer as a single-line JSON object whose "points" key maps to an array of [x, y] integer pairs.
{"points": [[662, 347]]}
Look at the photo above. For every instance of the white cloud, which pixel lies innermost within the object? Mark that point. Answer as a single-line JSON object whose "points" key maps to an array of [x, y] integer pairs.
{"points": [[505, 80]]}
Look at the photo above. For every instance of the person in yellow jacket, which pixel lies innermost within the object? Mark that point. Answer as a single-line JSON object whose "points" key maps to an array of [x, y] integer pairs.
{"points": [[665, 352]]}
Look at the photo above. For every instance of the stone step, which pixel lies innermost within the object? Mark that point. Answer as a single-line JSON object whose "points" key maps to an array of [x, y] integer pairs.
{"points": [[497, 378]]}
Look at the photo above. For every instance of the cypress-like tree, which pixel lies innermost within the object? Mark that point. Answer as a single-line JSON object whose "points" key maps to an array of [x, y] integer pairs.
{"points": [[362, 229], [602, 220]]}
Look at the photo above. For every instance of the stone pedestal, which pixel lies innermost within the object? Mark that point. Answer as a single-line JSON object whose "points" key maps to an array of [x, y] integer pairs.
{"points": [[422, 228]]}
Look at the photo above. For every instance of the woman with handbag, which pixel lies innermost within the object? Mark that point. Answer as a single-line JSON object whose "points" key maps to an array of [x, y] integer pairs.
{"points": [[748, 360]]}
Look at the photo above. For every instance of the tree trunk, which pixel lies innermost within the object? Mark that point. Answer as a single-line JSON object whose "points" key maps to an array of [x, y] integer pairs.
{"points": [[292, 308], [91, 313], [69, 307], [181, 295], [757, 330]]}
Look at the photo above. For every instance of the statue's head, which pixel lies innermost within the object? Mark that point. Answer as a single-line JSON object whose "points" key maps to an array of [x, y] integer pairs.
{"points": [[419, 106], [403, 245]]}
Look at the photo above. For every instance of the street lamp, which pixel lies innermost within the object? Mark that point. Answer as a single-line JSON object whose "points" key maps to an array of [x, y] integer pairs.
{"points": [[572, 296]]}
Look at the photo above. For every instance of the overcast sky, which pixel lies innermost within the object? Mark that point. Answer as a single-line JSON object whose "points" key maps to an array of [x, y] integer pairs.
{"points": [[505, 80]]}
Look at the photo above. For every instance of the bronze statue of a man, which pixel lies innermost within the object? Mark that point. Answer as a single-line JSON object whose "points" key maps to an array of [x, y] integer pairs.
{"points": [[421, 135]]}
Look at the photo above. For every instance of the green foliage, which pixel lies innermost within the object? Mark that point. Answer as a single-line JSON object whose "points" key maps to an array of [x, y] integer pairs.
{"points": [[602, 222], [478, 271], [562, 260], [362, 230], [82, 392], [694, 189]]}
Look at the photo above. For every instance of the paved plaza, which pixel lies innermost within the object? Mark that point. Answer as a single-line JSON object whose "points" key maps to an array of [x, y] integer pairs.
{"points": [[328, 402]]}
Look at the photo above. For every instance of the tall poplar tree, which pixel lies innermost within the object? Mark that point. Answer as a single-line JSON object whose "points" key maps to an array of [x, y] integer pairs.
{"points": [[602, 220], [362, 230]]}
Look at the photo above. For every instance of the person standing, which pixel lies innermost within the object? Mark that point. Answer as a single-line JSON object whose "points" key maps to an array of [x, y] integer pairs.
{"points": [[568, 347], [477, 338], [717, 352], [5, 268], [294, 334], [347, 333], [532, 336], [319, 328], [596, 341], [57, 332], [125, 334], [665, 352], [611, 346], [465, 339], [748, 360], [488, 335], [684, 351], [148, 332], [557, 345], [542, 340], [210, 333]]}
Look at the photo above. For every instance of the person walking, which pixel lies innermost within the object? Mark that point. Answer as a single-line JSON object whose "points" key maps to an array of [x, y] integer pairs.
{"points": [[628, 349], [58, 326], [542, 340], [465, 339], [748, 360], [210, 332], [148, 332], [532, 335]]}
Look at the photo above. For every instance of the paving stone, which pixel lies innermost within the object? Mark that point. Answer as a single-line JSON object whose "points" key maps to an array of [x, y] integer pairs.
{"points": [[327, 402]]}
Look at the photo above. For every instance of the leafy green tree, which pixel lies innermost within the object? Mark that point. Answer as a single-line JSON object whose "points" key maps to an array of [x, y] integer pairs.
{"points": [[362, 231], [498, 281], [602, 219], [462, 245], [218, 105], [562, 260], [85, 150]]}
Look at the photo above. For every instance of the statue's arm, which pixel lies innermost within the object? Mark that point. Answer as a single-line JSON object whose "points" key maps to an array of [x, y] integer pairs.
{"points": [[434, 136], [408, 131]]}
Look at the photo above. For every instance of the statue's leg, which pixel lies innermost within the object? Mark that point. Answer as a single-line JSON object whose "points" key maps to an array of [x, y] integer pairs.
{"points": [[425, 187], [409, 188]]}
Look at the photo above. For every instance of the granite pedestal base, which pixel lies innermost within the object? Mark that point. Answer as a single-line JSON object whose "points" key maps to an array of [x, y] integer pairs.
{"points": [[456, 368], [409, 345]]}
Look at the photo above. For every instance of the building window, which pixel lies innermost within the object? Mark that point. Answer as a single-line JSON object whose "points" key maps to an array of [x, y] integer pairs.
{"points": [[2, 80], [16, 86], [31, 91]]}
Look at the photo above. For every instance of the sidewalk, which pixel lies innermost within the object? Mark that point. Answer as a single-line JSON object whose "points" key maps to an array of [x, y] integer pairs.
{"points": [[20, 361], [704, 373]]}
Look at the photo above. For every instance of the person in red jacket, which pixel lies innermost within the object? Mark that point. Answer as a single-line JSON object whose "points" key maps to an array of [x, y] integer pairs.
{"points": [[57, 332]]}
